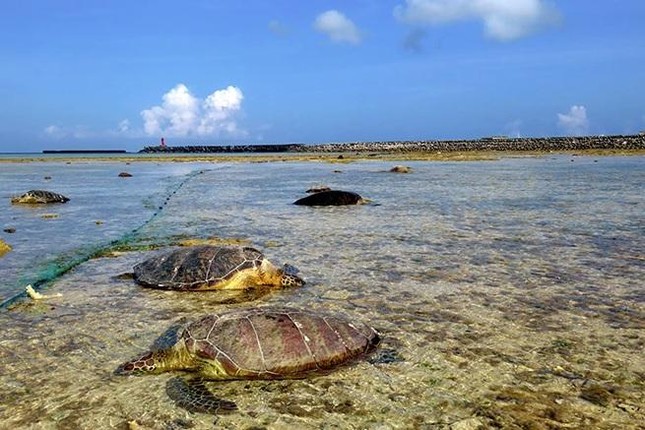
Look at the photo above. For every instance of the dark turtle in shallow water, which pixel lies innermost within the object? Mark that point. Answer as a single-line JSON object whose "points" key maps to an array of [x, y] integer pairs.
{"points": [[256, 343], [212, 268], [39, 197], [331, 198]]}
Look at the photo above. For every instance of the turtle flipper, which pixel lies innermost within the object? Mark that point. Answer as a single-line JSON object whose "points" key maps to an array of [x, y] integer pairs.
{"points": [[289, 269], [169, 337], [192, 395]]}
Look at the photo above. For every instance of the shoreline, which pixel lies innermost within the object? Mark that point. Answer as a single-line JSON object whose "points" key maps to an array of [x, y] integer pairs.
{"points": [[347, 156], [490, 148]]}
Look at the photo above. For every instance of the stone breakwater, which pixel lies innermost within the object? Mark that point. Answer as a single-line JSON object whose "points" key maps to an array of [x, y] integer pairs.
{"points": [[628, 142], [221, 149]]}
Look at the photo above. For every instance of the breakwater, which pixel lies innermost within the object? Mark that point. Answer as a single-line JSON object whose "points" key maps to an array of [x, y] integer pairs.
{"points": [[621, 142], [84, 151], [222, 149]]}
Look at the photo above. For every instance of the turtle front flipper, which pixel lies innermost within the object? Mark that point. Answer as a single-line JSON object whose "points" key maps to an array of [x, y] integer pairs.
{"points": [[193, 395]]}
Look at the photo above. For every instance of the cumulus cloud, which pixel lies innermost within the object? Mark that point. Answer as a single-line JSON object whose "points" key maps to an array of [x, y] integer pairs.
{"points": [[575, 122], [337, 27], [503, 20], [183, 114]]}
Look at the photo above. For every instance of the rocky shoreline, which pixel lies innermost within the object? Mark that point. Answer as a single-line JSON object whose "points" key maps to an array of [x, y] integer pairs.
{"points": [[617, 142]]}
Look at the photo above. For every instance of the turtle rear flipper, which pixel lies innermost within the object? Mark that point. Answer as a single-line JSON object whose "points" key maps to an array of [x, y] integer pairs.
{"points": [[192, 395]]}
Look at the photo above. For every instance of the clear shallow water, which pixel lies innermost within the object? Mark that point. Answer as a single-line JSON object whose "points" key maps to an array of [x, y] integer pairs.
{"points": [[104, 207], [510, 290]]}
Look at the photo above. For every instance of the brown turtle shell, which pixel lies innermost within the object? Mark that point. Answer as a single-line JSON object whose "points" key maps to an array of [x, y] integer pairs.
{"points": [[40, 197], [195, 267], [273, 343]]}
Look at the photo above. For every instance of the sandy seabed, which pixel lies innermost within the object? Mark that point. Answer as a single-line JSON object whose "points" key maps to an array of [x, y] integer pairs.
{"points": [[489, 321]]}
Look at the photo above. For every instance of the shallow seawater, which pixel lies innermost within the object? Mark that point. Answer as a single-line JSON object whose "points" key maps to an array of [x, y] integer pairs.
{"points": [[509, 293]]}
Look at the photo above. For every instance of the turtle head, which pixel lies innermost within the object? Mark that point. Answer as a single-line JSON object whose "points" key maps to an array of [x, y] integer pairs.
{"points": [[158, 361], [290, 278], [147, 363]]}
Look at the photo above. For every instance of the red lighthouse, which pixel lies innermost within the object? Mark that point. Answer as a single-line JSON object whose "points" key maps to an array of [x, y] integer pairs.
{"points": [[163, 142]]}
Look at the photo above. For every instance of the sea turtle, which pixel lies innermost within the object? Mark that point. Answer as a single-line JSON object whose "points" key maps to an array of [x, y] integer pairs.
{"points": [[4, 247], [400, 169], [210, 267], [40, 196], [255, 343], [331, 198]]}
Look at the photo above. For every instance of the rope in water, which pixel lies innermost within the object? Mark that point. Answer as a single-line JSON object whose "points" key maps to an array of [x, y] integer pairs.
{"points": [[56, 269]]}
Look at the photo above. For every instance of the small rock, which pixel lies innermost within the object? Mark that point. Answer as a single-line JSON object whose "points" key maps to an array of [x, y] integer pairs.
{"points": [[467, 424]]}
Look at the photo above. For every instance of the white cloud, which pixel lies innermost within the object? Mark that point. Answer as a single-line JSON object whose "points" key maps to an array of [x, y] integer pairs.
{"points": [[575, 122], [54, 131], [338, 27], [84, 132], [183, 114], [218, 109], [503, 19]]}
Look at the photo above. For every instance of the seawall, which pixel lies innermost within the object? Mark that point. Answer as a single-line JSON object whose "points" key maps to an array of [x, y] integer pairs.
{"points": [[619, 142]]}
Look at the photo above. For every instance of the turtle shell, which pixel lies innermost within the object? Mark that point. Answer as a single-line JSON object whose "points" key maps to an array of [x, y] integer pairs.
{"points": [[330, 198], [40, 197], [274, 343], [194, 267]]}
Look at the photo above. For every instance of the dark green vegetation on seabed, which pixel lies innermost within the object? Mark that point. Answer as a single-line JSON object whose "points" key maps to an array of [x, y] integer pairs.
{"points": [[509, 294]]}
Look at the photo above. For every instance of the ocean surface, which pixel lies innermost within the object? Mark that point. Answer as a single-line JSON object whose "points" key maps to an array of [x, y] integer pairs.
{"points": [[509, 293]]}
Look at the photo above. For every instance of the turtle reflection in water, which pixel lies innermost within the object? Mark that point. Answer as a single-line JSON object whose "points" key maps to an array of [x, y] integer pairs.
{"points": [[214, 268], [256, 343]]}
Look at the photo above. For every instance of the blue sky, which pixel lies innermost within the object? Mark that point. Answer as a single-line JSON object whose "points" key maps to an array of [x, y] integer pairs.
{"points": [[122, 74]]}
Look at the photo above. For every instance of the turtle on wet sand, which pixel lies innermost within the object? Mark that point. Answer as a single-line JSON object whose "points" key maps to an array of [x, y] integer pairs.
{"points": [[255, 343], [39, 197], [210, 267], [331, 198]]}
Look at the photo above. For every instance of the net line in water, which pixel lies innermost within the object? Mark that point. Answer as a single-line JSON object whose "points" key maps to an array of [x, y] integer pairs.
{"points": [[58, 266]]}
